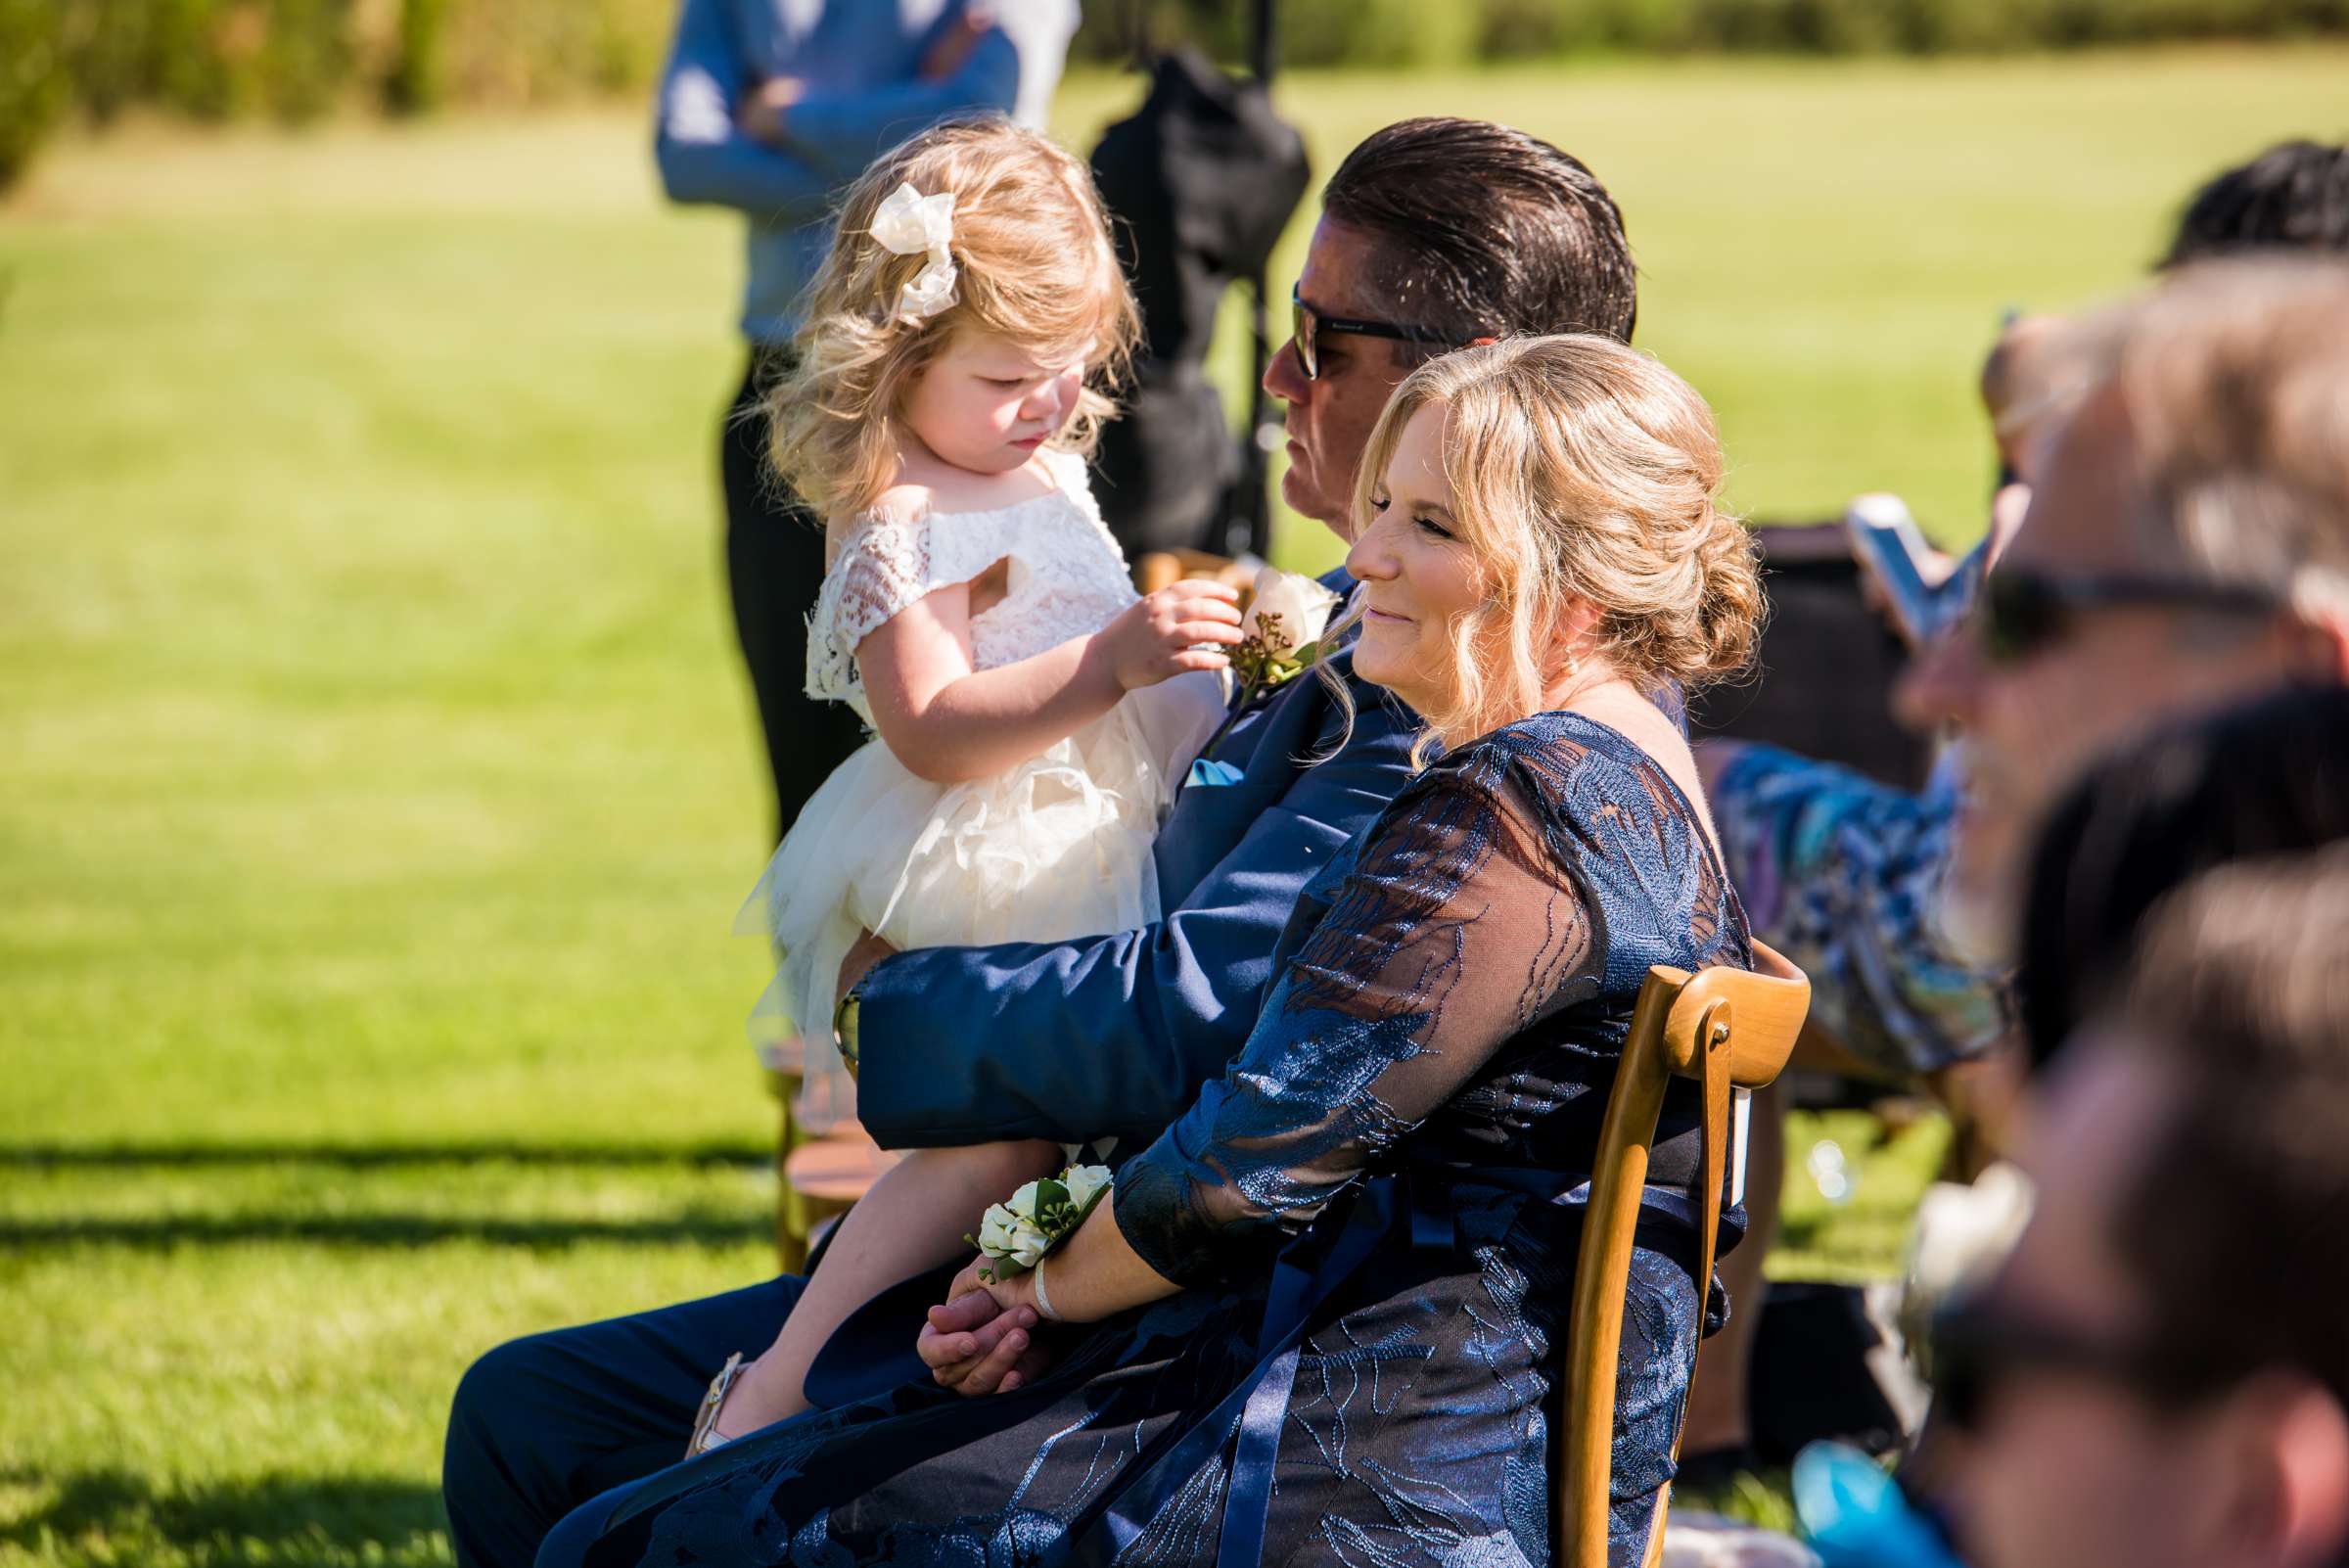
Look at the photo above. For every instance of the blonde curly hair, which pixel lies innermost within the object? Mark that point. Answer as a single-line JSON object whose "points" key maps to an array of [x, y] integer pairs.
{"points": [[1034, 263], [1581, 470]]}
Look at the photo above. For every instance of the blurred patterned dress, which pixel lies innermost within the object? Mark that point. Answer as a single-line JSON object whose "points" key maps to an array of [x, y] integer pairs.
{"points": [[1843, 874], [1374, 1214]]}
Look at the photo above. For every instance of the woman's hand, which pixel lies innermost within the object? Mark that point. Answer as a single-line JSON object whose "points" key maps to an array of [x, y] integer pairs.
{"points": [[1158, 638], [981, 1340]]}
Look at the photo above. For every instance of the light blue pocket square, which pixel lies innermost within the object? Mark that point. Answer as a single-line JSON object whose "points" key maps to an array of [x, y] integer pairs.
{"points": [[1208, 773]]}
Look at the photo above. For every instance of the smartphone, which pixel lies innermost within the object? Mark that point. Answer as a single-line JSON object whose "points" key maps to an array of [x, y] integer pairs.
{"points": [[1889, 548]]}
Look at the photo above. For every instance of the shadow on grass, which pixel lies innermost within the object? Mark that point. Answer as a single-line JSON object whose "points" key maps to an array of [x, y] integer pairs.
{"points": [[373, 1157], [384, 1230], [273, 1519]]}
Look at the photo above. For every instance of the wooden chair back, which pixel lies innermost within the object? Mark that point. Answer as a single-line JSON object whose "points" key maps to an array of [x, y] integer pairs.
{"points": [[1161, 568], [1726, 1029]]}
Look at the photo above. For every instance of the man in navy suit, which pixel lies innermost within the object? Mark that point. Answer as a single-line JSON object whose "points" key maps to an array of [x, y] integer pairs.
{"points": [[1435, 234]]}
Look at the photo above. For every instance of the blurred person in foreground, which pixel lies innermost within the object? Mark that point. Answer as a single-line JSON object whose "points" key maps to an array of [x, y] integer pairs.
{"points": [[1843, 874], [2158, 1374], [2267, 778], [773, 108], [2186, 545], [2270, 777]]}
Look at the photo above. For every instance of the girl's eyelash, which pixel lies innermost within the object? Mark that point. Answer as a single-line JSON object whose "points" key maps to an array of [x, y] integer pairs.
{"points": [[1433, 527]]}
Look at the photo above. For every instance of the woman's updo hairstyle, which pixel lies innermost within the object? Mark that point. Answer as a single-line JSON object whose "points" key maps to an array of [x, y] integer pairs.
{"points": [[1033, 261], [1581, 470]]}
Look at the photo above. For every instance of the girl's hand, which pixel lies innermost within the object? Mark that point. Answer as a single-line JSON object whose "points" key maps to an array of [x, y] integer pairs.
{"points": [[1159, 636], [1010, 1292], [981, 1341]]}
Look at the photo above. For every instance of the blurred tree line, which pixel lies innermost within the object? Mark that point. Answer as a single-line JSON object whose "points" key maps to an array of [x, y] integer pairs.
{"points": [[298, 59]]}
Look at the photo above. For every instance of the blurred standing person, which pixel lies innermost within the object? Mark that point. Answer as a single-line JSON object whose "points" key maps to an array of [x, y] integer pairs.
{"points": [[2157, 1376], [773, 106]]}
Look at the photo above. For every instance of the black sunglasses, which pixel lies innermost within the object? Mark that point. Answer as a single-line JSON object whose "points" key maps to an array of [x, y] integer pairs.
{"points": [[2019, 612], [1976, 1348], [1307, 325]]}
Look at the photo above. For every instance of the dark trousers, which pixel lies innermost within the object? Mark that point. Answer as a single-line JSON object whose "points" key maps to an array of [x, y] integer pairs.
{"points": [[543, 1424], [774, 566]]}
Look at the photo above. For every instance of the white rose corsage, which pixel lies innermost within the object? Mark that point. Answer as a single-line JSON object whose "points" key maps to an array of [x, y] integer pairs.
{"points": [[1280, 637], [1039, 1217]]}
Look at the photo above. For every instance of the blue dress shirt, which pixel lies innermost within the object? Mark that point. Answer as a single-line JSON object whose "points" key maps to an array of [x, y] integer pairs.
{"points": [[859, 60]]}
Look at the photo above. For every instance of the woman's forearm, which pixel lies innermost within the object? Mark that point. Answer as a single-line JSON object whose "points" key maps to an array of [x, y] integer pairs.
{"points": [[1098, 1274]]}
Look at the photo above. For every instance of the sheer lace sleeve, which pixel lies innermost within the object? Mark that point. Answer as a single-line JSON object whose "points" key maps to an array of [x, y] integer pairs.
{"points": [[884, 567], [1454, 930]]}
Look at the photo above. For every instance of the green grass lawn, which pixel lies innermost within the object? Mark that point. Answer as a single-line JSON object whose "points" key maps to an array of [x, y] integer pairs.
{"points": [[377, 782]]}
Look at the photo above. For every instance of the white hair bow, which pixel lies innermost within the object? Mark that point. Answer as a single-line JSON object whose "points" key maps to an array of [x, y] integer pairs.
{"points": [[909, 223]]}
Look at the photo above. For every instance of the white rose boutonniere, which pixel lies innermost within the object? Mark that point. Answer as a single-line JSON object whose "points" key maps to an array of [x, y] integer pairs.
{"points": [[1281, 636], [1282, 629], [1039, 1217]]}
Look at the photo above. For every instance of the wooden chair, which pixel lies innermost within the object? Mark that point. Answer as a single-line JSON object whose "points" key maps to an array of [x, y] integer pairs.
{"points": [[784, 1062], [821, 1179], [1726, 1029], [1159, 569], [820, 1168]]}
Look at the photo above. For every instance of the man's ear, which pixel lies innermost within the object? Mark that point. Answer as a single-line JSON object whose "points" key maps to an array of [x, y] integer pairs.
{"points": [[2315, 648], [2328, 636], [2280, 1473]]}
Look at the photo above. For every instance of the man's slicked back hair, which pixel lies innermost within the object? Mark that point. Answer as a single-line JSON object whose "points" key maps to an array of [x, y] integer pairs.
{"points": [[1481, 231]]}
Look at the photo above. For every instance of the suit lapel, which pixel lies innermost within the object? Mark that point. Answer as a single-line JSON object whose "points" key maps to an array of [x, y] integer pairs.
{"points": [[1269, 749], [1208, 821]]}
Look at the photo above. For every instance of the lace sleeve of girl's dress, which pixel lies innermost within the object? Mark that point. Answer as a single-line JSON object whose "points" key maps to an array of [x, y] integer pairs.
{"points": [[1454, 930], [883, 569]]}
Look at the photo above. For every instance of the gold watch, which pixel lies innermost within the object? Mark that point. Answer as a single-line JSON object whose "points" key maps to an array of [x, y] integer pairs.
{"points": [[843, 1026]]}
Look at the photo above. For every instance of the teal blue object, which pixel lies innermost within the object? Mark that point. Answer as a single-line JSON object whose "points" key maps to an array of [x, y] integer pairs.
{"points": [[1856, 1516], [1208, 773]]}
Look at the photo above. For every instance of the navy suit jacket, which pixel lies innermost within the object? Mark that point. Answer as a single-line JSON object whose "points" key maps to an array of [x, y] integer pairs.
{"points": [[1115, 1034]]}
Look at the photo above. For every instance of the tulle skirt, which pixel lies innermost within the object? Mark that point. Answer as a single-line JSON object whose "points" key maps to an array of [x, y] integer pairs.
{"points": [[1058, 847]]}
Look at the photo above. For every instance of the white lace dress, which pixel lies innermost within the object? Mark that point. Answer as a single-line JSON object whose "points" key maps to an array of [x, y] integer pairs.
{"points": [[1057, 847]]}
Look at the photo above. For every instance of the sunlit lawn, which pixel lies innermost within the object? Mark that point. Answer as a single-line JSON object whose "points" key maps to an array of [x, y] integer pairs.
{"points": [[377, 782]]}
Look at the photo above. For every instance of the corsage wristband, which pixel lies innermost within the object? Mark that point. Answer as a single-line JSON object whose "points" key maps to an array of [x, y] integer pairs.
{"points": [[1044, 1302]]}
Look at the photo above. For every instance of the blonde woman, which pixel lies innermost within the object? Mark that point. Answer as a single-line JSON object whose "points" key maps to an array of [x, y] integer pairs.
{"points": [[1354, 1251]]}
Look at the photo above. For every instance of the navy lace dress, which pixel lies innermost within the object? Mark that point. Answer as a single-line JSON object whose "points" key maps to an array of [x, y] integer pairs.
{"points": [[1374, 1214]]}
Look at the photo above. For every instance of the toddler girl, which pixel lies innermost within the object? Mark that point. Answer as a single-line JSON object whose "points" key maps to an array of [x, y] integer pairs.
{"points": [[1034, 716]]}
